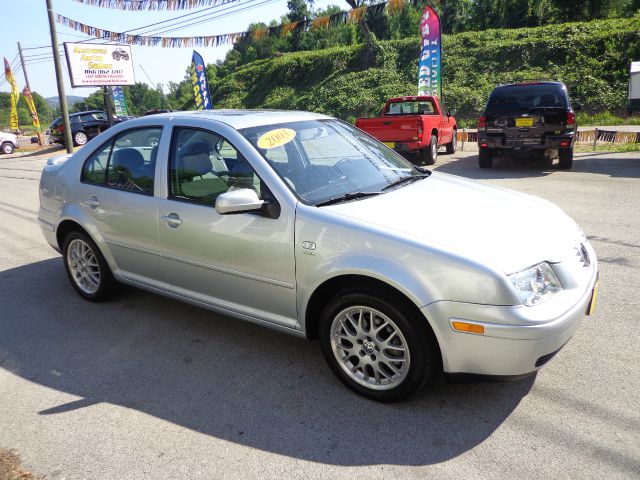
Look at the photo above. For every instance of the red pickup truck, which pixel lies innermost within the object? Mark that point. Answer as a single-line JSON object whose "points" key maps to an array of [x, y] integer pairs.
{"points": [[413, 126]]}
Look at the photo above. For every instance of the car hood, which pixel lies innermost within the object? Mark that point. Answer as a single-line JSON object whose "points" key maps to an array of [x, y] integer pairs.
{"points": [[495, 226]]}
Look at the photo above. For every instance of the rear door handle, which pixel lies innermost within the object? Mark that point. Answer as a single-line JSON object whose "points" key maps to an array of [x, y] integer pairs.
{"points": [[91, 202], [172, 220]]}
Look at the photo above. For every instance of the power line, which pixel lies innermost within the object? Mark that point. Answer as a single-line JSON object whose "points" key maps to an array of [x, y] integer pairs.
{"points": [[183, 16], [158, 23], [36, 48], [231, 9], [36, 57]]}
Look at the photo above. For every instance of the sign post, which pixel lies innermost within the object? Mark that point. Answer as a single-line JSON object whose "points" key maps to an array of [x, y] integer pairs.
{"points": [[61, 94]]}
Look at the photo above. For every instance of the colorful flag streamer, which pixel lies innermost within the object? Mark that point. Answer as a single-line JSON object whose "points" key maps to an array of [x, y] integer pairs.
{"points": [[429, 64], [13, 115], [338, 18], [139, 5], [28, 98], [199, 82]]}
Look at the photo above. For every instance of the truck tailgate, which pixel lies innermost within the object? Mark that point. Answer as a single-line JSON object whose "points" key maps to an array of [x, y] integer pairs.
{"points": [[392, 129]]}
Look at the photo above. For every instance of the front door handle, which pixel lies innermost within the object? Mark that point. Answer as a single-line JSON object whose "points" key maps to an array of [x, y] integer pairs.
{"points": [[92, 202], [173, 220]]}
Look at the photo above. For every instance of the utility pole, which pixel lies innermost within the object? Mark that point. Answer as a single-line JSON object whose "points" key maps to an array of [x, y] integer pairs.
{"points": [[62, 96], [26, 80], [106, 93]]}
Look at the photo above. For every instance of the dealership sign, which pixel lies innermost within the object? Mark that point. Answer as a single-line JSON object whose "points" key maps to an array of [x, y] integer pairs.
{"points": [[97, 65]]}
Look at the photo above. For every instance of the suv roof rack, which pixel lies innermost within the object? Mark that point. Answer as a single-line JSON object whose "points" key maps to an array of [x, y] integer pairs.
{"points": [[530, 80]]}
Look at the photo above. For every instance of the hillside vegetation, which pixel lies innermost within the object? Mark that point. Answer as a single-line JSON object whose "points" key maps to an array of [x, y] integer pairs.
{"points": [[591, 58]]}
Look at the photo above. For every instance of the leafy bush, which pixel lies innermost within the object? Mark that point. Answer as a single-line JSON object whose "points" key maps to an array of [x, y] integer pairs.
{"points": [[591, 58]]}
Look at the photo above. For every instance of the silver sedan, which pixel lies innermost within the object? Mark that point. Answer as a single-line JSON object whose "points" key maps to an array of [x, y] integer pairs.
{"points": [[302, 223]]}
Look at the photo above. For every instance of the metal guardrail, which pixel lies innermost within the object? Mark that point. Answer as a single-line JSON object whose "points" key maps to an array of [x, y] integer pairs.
{"points": [[582, 137]]}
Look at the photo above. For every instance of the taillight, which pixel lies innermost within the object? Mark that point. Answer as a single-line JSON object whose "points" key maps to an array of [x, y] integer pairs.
{"points": [[571, 118], [482, 122], [419, 127]]}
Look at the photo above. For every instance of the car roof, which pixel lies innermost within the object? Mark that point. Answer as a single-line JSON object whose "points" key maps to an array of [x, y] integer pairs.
{"points": [[239, 119], [85, 112]]}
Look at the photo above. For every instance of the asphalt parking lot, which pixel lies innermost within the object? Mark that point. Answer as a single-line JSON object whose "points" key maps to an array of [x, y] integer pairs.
{"points": [[146, 387]]}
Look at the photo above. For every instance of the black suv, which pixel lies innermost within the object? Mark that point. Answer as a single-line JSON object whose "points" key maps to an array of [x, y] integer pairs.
{"points": [[528, 116], [84, 126]]}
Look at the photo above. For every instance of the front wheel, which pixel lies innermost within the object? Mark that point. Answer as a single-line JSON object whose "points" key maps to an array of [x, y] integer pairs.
{"points": [[86, 267], [378, 347], [7, 148], [565, 159]]}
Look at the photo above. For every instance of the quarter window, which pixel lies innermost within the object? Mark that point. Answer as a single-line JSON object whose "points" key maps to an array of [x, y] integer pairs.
{"points": [[203, 165], [126, 162]]}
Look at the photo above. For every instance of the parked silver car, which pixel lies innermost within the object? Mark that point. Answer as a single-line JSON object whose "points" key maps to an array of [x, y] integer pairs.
{"points": [[303, 223]]}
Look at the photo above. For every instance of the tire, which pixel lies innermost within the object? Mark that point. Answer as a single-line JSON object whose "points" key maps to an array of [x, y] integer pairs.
{"points": [[430, 154], [565, 158], [485, 158], [452, 146], [80, 138], [355, 353], [7, 148], [86, 268]]}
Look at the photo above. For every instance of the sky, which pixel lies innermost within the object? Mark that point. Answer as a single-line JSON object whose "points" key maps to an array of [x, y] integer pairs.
{"points": [[26, 21]]}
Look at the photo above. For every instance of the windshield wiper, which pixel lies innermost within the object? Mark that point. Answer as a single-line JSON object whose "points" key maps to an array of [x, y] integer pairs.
{"points": [[347, 197], [410, 178]]}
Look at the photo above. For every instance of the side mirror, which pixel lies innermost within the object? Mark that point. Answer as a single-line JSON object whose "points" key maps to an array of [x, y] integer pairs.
{"points": [[577, 106], [237, 201]]}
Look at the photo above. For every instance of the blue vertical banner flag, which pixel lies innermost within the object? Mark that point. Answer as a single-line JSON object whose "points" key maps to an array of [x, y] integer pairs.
{"points": [[119, 102], [429, 65], [199, 82]]}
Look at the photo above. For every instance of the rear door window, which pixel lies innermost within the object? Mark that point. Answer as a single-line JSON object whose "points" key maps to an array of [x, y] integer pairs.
{"points": [[126, 162]]}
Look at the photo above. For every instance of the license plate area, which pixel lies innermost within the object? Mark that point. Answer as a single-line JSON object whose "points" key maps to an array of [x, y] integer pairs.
{"points": [[390, 144], [524, 122]]}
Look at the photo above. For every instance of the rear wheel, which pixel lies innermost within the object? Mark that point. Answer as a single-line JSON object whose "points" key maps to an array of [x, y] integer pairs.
{"points": [[485, 158], [377, 346], [80, 138], [430, 154], [7, 148], [453, 144], [86, 267], [565, 159]]}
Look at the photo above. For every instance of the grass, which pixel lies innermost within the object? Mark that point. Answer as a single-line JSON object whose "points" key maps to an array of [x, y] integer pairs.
{"points": [[11, 468], [605, 119], [610, 147]]}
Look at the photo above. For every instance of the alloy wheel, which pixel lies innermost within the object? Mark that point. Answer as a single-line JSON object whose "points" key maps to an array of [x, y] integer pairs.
{"points": [[84, 266], [370, 348]]}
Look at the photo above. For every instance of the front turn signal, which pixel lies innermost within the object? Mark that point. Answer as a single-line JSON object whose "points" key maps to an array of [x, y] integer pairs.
{"points": [[468, 327]]}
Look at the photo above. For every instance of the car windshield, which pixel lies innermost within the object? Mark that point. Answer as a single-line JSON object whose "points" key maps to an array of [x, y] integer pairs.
{"points": [[518, 97], [324, 160]]}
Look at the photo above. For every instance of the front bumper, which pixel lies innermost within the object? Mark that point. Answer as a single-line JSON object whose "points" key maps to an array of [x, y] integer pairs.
{"points": [[517, 340]]}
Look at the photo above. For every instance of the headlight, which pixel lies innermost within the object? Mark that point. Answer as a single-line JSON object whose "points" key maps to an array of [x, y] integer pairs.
{"points": [[536, 284]]}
